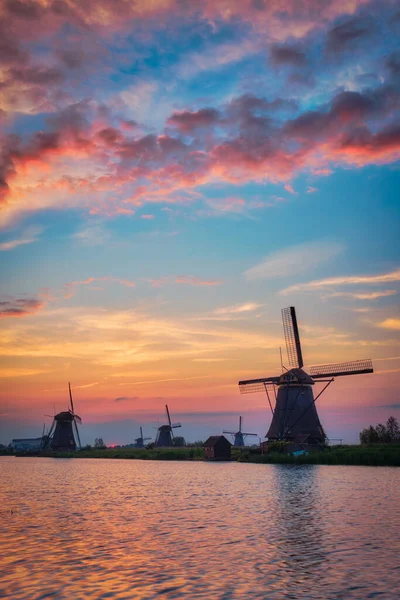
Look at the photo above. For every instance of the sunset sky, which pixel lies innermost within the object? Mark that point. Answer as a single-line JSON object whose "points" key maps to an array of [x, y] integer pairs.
{"points": [[172, 174]]}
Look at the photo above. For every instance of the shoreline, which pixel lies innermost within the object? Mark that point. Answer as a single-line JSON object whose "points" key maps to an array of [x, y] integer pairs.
{"points": [[387, 455]]}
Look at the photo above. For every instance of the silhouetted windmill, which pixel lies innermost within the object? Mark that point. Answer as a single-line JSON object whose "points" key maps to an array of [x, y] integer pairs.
{"points": [[295, 416], [239, 435], [63, 437], [139, 442], [165, 434]]}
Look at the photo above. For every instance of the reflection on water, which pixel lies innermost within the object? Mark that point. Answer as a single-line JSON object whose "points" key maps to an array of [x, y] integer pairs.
{"points": [[143, 530]]}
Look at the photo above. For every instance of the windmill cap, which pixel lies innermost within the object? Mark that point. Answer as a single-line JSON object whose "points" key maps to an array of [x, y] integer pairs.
{"points": [[64, 416], [296, 375]]}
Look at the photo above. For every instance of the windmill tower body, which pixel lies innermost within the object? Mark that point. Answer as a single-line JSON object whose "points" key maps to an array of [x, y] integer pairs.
{"points": [[239, 441], [61, 435], [164, 437], [295, 417], [63, 438], [165, 434]]}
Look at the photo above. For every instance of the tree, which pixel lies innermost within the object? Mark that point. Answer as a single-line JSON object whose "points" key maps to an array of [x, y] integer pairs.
{"points": [[383, 434], [369, 436], [99, 443], [179, 441], [393, 430]]}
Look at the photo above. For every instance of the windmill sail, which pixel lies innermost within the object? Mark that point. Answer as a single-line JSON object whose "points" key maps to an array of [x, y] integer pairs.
{"points": [[168, 416], [70, 397], [292, 337], [251, 386], [355, 367]]}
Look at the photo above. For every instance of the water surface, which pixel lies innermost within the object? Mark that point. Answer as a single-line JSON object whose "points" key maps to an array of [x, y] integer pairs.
{"points": [[130, 529]]}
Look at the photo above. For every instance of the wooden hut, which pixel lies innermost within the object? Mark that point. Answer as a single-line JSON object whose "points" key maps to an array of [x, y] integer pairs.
{"points": [[217, 447]]}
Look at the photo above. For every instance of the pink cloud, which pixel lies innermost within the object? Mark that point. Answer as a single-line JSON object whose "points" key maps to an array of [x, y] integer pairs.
{"points": [[227, 205], [19, 307], [125, 211], [159, 282], [84, 161], [69, 288], [323, 171], [147, 217], [289, 189], [187, 121], [190, 280]]}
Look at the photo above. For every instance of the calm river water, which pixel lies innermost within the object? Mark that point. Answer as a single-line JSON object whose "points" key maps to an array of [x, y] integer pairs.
{"points": [[129, 529]]}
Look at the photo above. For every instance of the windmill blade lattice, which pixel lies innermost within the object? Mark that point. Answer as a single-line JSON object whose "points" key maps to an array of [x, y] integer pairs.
{"points": [[355, 367], [252, 386], [292, 337]]}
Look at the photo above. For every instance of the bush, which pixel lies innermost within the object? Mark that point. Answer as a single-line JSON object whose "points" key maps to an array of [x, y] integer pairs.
{"points": [[381, 434]]}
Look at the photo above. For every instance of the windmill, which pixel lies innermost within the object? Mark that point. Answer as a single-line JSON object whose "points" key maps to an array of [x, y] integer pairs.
{"points": [[295, 417], [165, 434], [239, 435], [61, 434], [139, 442]]}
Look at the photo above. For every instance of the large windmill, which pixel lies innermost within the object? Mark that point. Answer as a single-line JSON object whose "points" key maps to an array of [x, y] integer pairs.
{"points": [[139, 442], [165, 435], [295, 417], [239, 435], [61, 434]]}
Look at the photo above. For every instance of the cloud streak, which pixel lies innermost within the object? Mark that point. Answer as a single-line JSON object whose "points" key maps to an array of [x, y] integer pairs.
{"points": [[29, 236], [319, 284], [238, 308], [363, 295], [69, 288], [293, 260]]}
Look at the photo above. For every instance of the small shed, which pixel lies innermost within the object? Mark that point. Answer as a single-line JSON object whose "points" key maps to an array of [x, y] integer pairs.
{"points": [[217, 447]]}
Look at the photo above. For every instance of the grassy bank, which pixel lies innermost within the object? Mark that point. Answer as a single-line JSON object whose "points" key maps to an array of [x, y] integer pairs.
{"points": [[373, 455], [135, 453]]}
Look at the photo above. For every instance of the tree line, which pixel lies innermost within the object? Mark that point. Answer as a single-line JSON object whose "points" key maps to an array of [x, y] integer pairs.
{"points": [[383, 434]]}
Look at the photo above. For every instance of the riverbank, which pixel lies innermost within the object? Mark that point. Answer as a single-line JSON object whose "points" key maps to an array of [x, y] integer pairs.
{"points": [[372, 455], [383, 455]]}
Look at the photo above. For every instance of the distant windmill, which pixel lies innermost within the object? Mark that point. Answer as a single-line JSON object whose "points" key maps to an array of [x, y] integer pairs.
{"points": [[239, 435], [61, 434], [165, 434], [139, 442], [295, 416]]}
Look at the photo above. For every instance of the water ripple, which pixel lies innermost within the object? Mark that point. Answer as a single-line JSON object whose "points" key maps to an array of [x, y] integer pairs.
{"points": [[142, 530]]}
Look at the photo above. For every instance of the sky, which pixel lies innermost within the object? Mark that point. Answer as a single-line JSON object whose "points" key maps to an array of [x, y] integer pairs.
{"points": [[172, 174]]}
